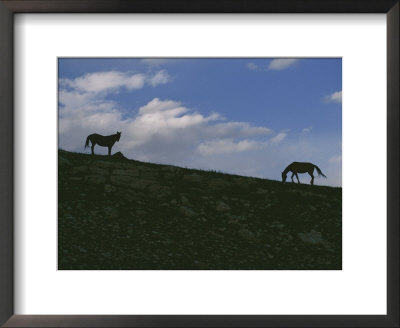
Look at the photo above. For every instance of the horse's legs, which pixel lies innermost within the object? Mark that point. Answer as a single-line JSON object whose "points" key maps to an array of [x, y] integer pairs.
{"points": [[109, 150], [297, 178], [312, 178], [292, 177], [92, 148]]}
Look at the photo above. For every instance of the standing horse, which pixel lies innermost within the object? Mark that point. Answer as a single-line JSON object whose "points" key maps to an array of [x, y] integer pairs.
{"points": [[298, 167], [105, 141]]}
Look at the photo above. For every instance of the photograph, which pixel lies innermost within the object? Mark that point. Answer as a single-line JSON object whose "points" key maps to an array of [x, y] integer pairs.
{"points": [[199, 163]]}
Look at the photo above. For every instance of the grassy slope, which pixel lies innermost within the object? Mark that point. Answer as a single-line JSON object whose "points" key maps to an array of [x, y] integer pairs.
{"points": [[124, 214]]}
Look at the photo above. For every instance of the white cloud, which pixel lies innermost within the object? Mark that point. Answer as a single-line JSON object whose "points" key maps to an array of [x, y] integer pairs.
{"points": [[160, 131], [237, 129], [252, 66], [169, 122], [160, 77], [168, 119], [102, 81], [306, 130], [275, 64], [112, 81], [278, 138], [280, 64], [72, 99], [88, 117], [227, 146], [335, 159], [334, 97]]}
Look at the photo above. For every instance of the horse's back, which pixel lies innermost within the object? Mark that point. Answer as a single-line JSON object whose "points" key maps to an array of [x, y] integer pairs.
{"points": [[295, 164], [302, 167], [302, 164], [97, 139]]}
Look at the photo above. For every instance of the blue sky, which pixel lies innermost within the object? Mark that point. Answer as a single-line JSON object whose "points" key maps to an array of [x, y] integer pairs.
{"points": [[247, 116]]}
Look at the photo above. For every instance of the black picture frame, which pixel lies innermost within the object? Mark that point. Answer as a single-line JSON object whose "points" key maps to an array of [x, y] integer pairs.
{"points": [[10, 7]]}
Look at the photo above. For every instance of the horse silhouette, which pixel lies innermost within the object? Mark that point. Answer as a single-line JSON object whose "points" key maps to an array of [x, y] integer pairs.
{"points": [[298, 167], [105, 141]]}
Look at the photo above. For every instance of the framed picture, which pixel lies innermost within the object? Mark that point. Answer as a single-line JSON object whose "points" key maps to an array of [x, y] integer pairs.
{"points": [[187, 189], [185, 169]]}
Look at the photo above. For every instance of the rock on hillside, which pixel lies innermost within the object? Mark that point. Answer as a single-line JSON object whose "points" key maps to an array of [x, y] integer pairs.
{"points": [[116, 213]]}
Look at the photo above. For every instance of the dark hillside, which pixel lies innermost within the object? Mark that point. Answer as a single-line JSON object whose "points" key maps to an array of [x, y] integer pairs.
{"points": [[115, 213]]}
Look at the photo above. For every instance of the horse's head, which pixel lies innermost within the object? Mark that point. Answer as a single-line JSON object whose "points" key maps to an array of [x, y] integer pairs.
{"points": [[284, 177], [118, 135]]}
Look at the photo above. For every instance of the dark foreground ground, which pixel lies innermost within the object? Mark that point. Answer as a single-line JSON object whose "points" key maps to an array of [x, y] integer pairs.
{"points": [[119, 214]]}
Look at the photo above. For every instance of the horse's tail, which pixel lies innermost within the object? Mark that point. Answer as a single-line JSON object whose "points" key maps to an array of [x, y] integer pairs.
{"points": [[319, 171], [87, 142]]}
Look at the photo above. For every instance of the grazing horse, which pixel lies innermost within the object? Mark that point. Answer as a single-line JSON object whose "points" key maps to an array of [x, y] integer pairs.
{"points": [[105, 141], [298, 167]]}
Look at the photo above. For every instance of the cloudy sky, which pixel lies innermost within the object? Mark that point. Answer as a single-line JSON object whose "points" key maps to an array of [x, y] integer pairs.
{"points": [[250, 117]]}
